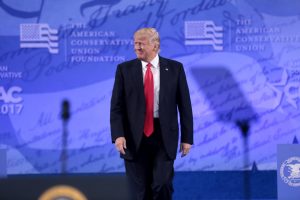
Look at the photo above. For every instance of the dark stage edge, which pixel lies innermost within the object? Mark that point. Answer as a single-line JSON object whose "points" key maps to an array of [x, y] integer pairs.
{"points": [[203, 185]]}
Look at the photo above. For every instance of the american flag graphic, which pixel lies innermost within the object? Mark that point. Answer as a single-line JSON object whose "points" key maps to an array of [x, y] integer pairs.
{"points": [[39, 36], [203, 33]]}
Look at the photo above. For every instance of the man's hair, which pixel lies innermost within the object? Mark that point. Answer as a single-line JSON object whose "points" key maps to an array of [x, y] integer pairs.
{"points": [[153, 35]]}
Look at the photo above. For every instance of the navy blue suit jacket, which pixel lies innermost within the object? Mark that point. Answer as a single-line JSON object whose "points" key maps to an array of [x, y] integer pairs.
{"points": [[128, 106]]}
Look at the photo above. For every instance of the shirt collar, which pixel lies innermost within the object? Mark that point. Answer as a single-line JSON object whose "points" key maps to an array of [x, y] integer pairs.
{"points": [[154, 62]]}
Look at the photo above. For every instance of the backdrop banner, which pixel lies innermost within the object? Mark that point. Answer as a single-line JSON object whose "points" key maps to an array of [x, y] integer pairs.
{"points": [[241, 59], [3, 164]]}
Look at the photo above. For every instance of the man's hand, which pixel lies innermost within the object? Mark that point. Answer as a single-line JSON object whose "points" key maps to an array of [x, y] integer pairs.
{"points": [[185, 149], [120, 144]]}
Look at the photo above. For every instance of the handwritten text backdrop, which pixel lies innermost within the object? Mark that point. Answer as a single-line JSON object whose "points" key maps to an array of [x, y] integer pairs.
{"points": [[241, 60]]}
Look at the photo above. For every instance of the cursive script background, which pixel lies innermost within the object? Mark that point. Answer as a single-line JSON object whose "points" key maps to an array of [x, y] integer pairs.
{"points": [[248, 72]]}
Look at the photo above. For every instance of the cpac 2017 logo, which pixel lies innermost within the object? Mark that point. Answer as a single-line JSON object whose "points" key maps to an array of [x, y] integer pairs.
{"points": [[10, 100]]}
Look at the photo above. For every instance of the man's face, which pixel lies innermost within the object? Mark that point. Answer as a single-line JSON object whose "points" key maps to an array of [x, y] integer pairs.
{"points": [[144, 50]]}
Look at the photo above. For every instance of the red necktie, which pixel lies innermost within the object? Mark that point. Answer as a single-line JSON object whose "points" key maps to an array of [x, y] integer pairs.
{"points": [[149, 97]]}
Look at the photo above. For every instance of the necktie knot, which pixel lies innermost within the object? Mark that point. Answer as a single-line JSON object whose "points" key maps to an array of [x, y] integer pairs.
{"points": [[149, 66]]}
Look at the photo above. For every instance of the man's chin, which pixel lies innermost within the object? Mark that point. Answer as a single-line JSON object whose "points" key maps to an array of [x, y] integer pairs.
{"points": [[140, 57]]}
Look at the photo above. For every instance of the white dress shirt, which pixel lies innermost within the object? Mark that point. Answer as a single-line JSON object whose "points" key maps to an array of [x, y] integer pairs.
{"points": [[156, 79]]}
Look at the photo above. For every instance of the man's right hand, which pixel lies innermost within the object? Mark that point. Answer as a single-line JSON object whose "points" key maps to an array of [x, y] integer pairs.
{"points": [[120, 144]]}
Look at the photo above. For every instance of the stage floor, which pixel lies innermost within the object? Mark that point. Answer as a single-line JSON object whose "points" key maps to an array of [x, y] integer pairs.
{"points": [[203, 185]]}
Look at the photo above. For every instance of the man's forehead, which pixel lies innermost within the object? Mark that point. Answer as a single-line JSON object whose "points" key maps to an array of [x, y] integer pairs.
{"points": [[141, 36]]}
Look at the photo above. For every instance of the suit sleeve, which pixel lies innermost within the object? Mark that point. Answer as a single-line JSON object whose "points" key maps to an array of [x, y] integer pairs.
{"points": [[185, 108], [117, 107]]}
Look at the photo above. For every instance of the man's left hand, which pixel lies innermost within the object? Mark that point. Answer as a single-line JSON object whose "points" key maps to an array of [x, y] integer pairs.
{"points": [[185, 149]]}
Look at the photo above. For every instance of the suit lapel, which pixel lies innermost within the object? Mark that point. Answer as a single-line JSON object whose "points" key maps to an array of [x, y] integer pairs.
{"points": [[137, 76], [163, 77]]}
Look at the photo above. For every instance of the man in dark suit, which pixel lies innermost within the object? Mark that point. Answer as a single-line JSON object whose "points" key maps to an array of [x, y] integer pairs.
{"points": [[146, 95]]}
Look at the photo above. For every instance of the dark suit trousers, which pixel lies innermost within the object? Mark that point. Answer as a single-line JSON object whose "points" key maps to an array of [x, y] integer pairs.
{"points": [[151, 173]]}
